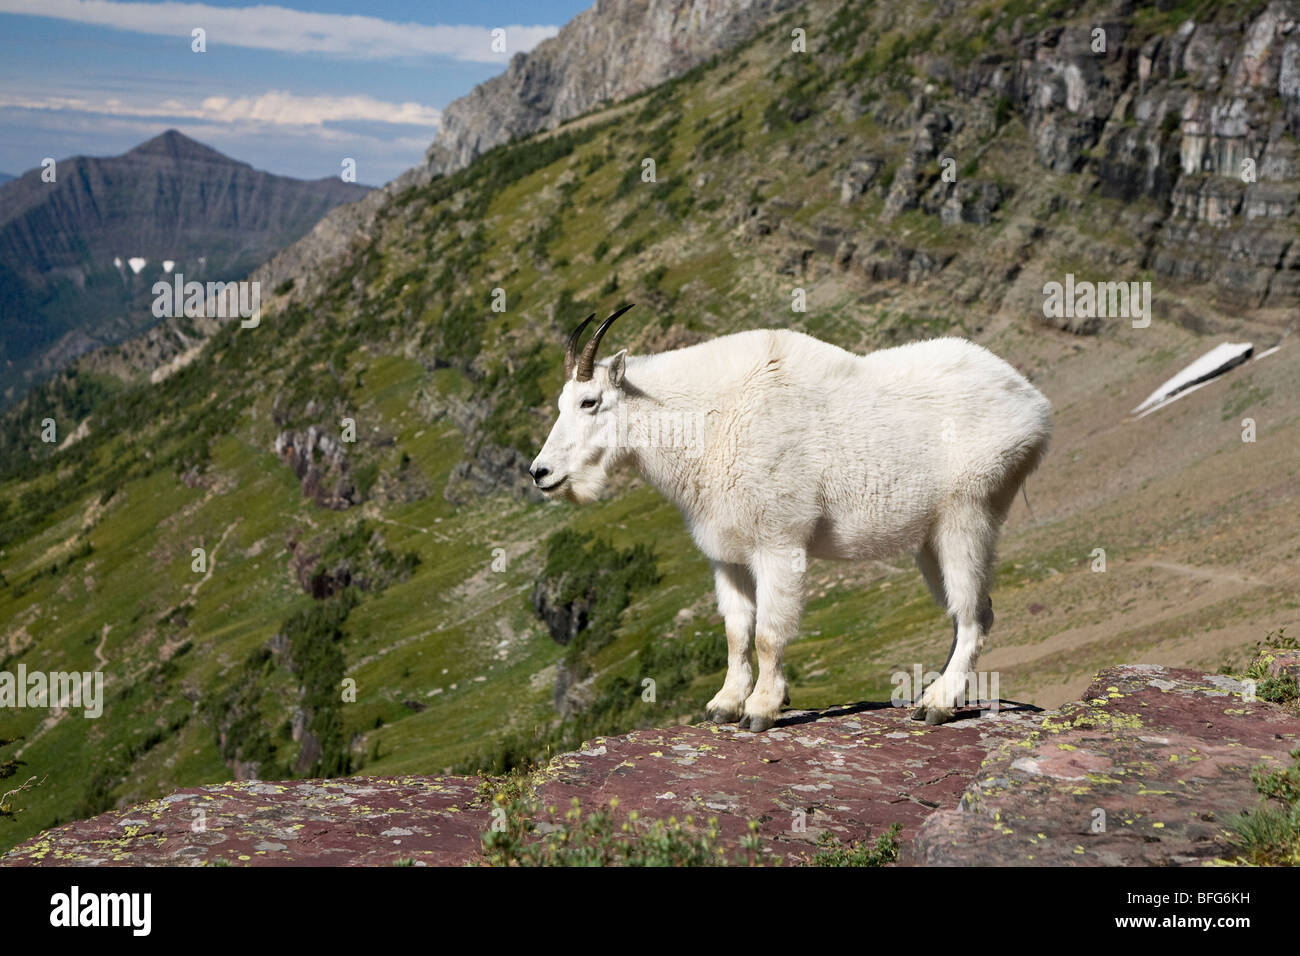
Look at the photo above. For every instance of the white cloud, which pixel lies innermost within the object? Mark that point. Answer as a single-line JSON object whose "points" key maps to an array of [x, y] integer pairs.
{"points": [[285, 109], [272, 108], [289, 31]]}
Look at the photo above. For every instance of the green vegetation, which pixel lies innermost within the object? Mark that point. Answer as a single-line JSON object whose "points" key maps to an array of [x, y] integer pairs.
{"points": [[309, 646], [1277, 688], [593, 582], [600, 838], [1270, 835], [884, 851], [593, 577], [604, 837]]}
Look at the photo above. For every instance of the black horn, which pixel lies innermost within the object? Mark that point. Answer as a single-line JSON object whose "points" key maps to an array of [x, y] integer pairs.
{"points": [[571, 350], [587, 360]]}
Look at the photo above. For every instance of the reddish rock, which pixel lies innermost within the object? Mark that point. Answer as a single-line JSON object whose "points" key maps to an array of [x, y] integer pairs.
{"points": [[1144, 771], [362, 821], [1165, 755], [852, 771], [1285, 664]]}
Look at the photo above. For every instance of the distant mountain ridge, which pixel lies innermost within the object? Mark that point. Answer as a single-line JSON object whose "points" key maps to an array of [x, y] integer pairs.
{"points": [[5, 177], [78, 256]]}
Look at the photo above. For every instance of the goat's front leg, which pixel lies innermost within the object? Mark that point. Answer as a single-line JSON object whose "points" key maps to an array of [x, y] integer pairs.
{"points": [[779, 578], [735, 587]]}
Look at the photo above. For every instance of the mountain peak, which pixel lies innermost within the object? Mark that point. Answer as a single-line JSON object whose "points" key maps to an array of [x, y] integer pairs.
{"points": [[176, 145]]}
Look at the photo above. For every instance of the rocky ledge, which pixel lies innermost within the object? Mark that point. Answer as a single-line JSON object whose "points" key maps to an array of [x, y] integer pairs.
{"points": [[1144, 770]]}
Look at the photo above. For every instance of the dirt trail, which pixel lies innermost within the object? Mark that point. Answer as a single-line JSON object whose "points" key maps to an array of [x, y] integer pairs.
{"points": [[100, 659], [1168, 599], [373, 514], [1209, 574], [212, 561]]}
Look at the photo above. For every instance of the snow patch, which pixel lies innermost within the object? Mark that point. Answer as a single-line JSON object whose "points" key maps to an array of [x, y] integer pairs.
{"points": [[1220, 359]]}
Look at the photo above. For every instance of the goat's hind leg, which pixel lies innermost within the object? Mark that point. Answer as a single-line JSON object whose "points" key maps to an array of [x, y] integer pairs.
{"points": [[964, 543], [736, 603], [928, 564], [780, 603]]}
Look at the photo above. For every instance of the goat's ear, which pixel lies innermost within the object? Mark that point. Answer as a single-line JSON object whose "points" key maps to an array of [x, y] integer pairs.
{"points": [[617, 366]]}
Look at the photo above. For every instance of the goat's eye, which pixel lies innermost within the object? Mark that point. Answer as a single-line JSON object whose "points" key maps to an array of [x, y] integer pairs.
{"points": [[589, 403]]}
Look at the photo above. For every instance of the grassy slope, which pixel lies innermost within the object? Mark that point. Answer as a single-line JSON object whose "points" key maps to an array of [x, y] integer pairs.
{"points": [[459, 638]]}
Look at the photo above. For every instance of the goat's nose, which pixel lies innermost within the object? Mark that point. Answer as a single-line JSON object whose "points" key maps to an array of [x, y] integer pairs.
{"points": [[539, 473]]}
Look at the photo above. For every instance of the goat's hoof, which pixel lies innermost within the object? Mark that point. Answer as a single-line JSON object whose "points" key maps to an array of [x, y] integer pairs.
{"points": [[938, 715], [755, 723], [933, 715], [721, 715]]}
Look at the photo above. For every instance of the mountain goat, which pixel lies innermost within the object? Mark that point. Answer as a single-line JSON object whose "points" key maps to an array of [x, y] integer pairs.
{"points": [[803, 449]]}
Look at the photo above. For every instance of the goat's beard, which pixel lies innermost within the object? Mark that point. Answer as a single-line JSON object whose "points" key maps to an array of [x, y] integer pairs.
{"points": [[585, 489]]}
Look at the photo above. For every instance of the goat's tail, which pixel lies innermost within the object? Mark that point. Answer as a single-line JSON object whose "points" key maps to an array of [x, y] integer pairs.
{"points": [[1024, 494]]}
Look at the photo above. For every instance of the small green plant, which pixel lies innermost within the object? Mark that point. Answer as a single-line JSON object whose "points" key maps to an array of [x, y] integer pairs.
{"points": [[601, 838], [881, 853], [1270, 835], [1277, 688]]}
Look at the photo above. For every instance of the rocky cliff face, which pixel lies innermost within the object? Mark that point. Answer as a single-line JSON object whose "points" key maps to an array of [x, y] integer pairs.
{"points": [[1203, 123], [320, 463], [1195, 125], [1147, 769], [609, 52]]}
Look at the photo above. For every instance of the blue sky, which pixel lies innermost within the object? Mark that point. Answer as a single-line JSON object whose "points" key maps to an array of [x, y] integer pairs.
{"points": [[293, 88]]}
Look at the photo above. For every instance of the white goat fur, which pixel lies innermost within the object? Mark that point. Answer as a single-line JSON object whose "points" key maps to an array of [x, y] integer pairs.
{"points": [[813, 450]]}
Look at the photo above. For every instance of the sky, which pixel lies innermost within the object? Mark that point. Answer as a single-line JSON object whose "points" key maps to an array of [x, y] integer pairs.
{"points": [[293, 88]]}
